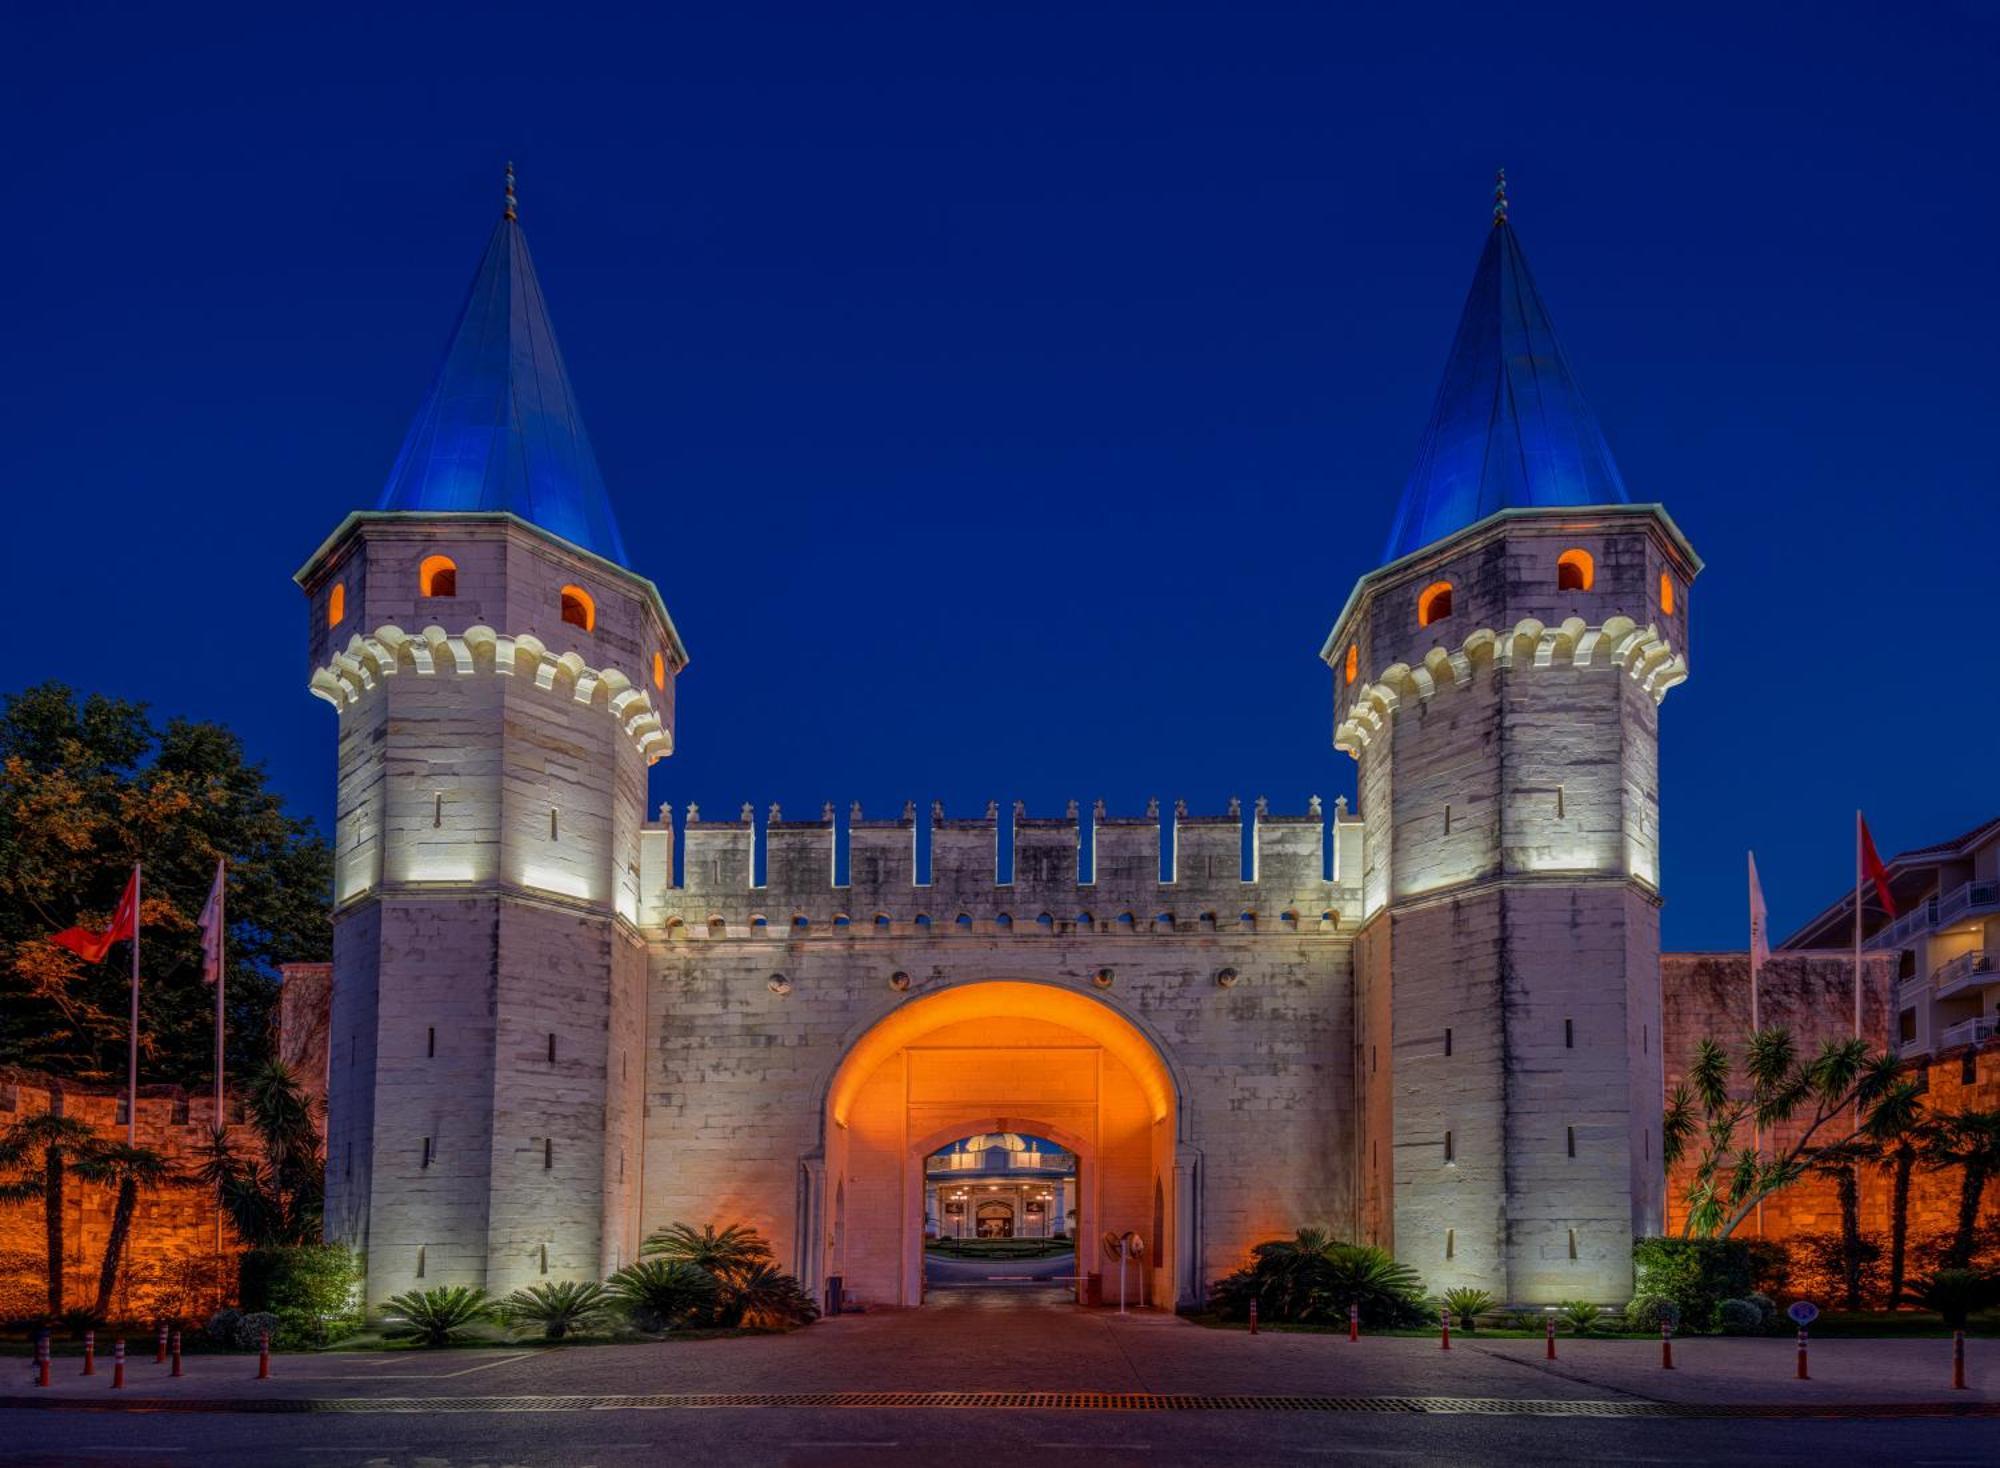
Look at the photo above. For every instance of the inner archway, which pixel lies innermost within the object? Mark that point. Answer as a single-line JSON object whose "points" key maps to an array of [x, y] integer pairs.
{"points": [[1000, 1213], [998, 1059]]}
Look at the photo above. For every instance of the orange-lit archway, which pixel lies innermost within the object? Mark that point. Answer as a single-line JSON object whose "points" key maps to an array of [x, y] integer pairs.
{"points": [[998, 1056]]}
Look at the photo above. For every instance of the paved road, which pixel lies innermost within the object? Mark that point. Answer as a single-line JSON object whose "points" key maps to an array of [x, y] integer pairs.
{"points": [[984, 1341]]}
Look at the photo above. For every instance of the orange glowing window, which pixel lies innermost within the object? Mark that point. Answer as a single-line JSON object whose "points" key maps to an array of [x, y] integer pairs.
{"points": [[578, 609], [660, 672], [336, 605], [1667, 593], [437, 576], [1434, 604], [1353, 660], [1575, 571]]}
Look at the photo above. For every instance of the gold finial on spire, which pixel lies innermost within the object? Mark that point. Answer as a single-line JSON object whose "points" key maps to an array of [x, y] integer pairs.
{"points": [[512, 203], [1499, 198]]}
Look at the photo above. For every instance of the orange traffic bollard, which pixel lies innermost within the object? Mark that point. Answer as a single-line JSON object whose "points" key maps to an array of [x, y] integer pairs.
{"points": [[1354, 1322], [42, 1359], [263, 1355], [117, 1364], [1958, 1360], [1549, 1334], [1666, 1347], [1444, 1328], [90, 1353], [1802, 1355], [160, 1349], [1253, 1317], [176, 1354]]}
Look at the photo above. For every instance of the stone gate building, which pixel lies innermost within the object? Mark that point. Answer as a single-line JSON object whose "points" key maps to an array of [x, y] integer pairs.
{"points": [[1433, 1022]]}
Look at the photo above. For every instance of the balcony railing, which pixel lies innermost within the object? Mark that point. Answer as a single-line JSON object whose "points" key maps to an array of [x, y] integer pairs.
{"points": [[1970, 899], [1974, 970], [1971, 1031]]}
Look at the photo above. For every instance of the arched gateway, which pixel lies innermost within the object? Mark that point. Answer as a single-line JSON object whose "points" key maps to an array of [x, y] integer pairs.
{"points": [[997, 1056]]}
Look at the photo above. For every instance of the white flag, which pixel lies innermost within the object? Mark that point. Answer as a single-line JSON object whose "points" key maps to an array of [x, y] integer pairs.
{"points": [[212, 929], [1760, 934]]}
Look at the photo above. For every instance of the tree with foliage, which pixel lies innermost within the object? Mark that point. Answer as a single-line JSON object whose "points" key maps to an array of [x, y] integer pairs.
{"points": [[275, 1200], [1899, 1129], [35, 1154], [89, 786], [1970, 1142], [1841, 1162], [131, 1170], [1704, 1117]]}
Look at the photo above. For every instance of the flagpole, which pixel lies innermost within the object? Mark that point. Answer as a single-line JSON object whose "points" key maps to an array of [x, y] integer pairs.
{"points": [[132, 1050]]}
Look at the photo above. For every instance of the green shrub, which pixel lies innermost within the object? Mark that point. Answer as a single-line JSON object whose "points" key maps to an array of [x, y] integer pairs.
{"points": [[241, 1330], [1312, 1278], [662, 1294], [1467, 1305], [767, 1296], [313, 1289], [1958, 1294], [1650, 1312], [1530, 1320], [1698, 1274], [557, 1309], [1740, 1317], [436, 1317], [1581, 1315], [1815, 1267]]}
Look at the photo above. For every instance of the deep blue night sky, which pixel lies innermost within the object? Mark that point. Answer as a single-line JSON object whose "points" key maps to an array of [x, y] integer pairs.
{"points": [[1005, 397]]}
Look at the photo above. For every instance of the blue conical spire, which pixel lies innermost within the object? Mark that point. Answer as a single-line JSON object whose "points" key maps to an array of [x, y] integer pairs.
{"points": [[500, 428], [1509, 429]]}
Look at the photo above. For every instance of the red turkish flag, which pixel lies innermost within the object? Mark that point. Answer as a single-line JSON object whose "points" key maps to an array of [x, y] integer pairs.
{"points": [[91, 947], [1873, 869]]}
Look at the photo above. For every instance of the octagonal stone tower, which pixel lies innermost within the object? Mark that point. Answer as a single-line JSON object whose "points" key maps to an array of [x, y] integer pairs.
{"points": [[1498, 681], [503, 681]]}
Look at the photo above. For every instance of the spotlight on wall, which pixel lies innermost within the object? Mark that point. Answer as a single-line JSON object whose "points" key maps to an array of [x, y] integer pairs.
{"points": [[900, 982], [1102, 978], [779, 984], [1225, 978]]}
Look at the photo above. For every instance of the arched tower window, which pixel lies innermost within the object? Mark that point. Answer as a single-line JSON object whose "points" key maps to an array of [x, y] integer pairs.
{"points": [[437, 576], [578, 609], [1575, 571], [1353, 660], [1667, 592], [336, 605], [1434, 604], [660, 672]]}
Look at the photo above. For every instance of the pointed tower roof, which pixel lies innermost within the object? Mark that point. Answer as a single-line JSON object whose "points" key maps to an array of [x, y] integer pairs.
{"points": [[1509, 429], [500, 429]]}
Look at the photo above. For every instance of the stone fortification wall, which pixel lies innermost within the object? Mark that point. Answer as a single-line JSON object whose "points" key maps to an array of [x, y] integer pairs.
{"points": [[1064, 875]]}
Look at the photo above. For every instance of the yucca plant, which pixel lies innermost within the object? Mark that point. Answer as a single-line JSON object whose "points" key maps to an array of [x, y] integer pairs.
{"points": [[557, 1309], [1467, 1305], [660, 1294], [767, 1296], [436, 1317], [728, 1253], [1582, 1315]]}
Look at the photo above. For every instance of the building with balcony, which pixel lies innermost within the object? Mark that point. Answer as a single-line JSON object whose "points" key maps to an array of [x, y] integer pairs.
{"points": [[999, 1185], [1944, 933]]}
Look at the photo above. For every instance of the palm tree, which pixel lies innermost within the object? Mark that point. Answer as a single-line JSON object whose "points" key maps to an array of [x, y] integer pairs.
{"points": [[1841, 1161], [728, 1254], [37, 1150], [1970, 1141], [276, 1200], [1900, 1130], [130, 1169]]}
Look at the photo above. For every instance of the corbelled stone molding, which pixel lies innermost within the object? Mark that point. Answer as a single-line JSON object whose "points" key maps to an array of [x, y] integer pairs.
{"points": [[1645, 656], [390, 652]]}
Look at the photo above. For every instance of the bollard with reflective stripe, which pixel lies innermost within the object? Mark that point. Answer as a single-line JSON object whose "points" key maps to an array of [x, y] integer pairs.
{"points": [[1354, 1322], [1253, 1317], [263, 1355], [1549, 1333], [175, 1352], [117, 1364], [90, 1353], [1666, 1346], [1444, 1328], [1802, 1355], [1958, 1360]]}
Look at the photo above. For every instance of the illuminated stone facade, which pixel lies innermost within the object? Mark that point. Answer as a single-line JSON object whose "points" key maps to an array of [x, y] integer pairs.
{"points": [[552, 1031]]}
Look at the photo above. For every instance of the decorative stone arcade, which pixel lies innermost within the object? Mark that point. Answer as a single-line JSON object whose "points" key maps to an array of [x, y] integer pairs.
{"points": [[998, 1056]]}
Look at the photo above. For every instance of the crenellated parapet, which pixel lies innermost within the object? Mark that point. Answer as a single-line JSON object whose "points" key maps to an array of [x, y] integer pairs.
{"points": [[1644, 654], [369, 659], [1163, 872]]}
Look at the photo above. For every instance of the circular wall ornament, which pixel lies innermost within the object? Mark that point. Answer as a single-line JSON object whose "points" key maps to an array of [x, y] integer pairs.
{"points": [[900, 982], [1102, 978], [779, 984], [1225, 978]]}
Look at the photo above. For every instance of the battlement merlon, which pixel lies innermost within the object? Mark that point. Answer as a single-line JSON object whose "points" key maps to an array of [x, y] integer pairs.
{"points": [[1125, 857]]}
